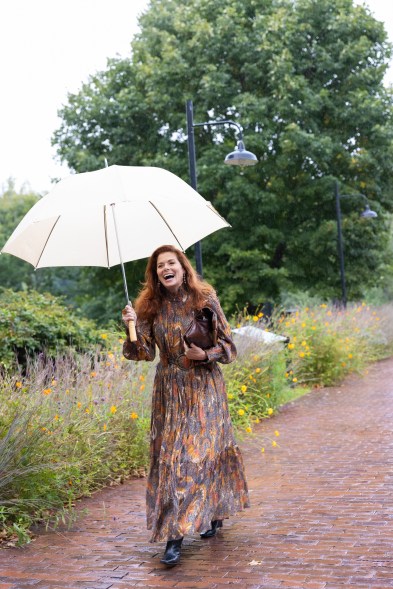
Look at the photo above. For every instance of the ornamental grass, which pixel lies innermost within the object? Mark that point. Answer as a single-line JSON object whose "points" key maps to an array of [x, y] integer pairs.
{"points": [[67, 428]]}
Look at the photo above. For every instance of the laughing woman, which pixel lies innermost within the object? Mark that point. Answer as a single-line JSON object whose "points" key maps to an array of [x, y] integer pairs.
{"points": [[196, 476]]}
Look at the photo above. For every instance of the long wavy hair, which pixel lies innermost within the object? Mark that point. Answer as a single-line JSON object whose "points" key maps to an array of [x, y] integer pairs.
{"points": [[153, 293]]}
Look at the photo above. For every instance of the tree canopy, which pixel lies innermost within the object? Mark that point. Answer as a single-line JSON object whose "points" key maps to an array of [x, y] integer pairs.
{"points": [[304, 78]]}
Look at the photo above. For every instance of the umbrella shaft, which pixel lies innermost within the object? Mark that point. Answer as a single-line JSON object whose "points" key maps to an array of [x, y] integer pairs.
{"points": [[121, 259]]}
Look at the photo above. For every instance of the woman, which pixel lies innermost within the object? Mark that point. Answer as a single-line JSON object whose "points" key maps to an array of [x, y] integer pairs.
{"points": [[196, 476]]}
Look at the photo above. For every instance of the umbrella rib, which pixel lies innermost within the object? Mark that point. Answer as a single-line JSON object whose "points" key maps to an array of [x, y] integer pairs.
{"points": [[106, 236], [167, 224], [46, 242]]}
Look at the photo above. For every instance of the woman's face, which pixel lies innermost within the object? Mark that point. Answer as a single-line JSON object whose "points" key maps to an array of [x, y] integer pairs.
{"points": [[169, 271]]}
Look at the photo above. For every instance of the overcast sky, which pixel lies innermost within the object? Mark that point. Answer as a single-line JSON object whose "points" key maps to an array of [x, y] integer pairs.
{"points": [[49, 48]]}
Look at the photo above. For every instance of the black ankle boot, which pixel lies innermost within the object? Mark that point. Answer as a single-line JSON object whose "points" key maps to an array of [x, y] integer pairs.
{"points": [[172, 552], [216, 523]]}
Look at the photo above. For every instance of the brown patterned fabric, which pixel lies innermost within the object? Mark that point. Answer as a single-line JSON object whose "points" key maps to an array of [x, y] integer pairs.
{"points": [[196, 469]]}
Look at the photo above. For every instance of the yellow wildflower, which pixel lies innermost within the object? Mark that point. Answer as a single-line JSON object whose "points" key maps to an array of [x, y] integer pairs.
{"points": [[47, 391], [230, 396], [257, 370], [113, 409], [141, 377], [277, 433], [54, 382], [104, 335], [18, 384], [270, 411], [142, 387], [241, 412], [56, 417], [291, 346], [260, 315], [87, 410], [93, 374], [79, 404], [255, 318], [350, 356], [301, 354], [294, 379], [274, 443], [243, 388], [134, 415], [248, 429], [262, 449], [104, 428]]}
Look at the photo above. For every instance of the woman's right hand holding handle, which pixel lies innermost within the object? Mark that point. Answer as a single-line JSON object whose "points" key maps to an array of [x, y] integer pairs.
{"points": [[129, 318]]}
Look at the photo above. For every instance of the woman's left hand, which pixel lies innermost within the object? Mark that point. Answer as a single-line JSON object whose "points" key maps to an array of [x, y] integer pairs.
{"points": [[195, 353]]}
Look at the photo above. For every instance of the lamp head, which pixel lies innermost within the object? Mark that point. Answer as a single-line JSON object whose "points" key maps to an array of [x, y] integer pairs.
{"points": [[241, 157], [368, 213]]}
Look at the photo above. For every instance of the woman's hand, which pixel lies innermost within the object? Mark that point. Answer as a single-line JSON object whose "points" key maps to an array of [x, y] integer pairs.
{"points": [[128, 314], [195, 353]]}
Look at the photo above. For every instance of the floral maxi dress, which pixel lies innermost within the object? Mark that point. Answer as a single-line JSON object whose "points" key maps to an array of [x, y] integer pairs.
{"points": [[196, 468]]}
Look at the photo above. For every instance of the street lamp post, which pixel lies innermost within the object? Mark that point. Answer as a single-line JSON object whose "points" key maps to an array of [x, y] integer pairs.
{"points": [[239, 157], [367, 213]]}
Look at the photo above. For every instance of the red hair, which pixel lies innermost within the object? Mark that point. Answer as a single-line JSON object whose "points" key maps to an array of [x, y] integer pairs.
{"points": [[153, 292]]}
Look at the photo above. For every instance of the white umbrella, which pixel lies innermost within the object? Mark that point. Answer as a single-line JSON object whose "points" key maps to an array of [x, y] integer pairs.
{"points": [[110, 216]]}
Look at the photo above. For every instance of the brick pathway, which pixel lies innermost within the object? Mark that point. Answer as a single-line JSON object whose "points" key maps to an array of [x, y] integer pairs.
{"points": [[321, 516]]}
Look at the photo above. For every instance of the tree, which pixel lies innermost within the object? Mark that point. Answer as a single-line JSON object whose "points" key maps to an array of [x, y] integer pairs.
{"points": [[14, 273], [304, 79]]}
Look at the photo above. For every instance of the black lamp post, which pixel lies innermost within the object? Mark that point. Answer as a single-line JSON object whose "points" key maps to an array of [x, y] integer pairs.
{"points": [[239, 157], [367, 214]]}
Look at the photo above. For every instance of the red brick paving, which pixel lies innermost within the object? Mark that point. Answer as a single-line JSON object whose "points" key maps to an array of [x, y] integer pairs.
{"points": [[321, 515]]}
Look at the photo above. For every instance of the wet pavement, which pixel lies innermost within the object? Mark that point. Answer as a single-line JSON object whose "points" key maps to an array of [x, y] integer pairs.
{"points": [[321, 515]]}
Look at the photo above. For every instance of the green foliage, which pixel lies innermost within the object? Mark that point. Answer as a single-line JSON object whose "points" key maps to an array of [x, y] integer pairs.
{"points": [[32, 323], [14, 273], [305, 81]]}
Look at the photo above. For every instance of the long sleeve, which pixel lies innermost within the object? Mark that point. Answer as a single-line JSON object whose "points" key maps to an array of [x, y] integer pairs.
{"points": [[225, 350], [144, 348]]}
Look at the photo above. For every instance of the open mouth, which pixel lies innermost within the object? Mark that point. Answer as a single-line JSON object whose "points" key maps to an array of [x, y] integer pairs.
{"points": [[168, 276]]}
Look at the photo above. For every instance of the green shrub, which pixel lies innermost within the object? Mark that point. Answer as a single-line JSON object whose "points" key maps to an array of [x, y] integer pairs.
{"points": [[32, 323]]}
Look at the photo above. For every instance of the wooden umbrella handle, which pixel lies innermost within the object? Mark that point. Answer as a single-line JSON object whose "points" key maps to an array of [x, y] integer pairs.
{"points": [[131, 329]]}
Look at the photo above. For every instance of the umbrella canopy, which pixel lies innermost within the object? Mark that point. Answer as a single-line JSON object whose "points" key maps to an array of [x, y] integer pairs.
{"points": [[78, 221]]}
